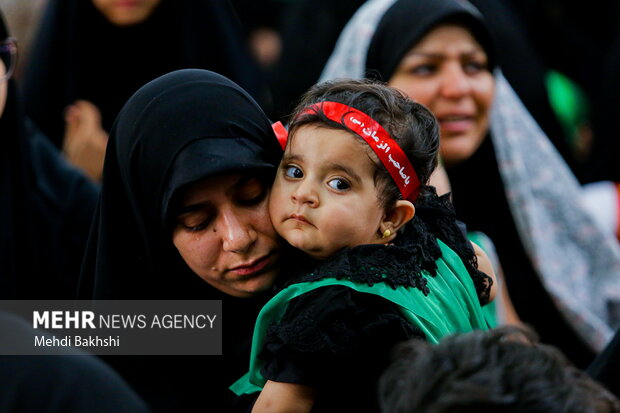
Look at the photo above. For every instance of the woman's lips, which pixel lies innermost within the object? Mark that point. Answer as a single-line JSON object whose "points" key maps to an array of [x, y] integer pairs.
{"points": [[253, 267], [456, 124], [127, 3]]}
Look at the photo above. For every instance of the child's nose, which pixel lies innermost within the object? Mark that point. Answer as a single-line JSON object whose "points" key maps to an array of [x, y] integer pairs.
{"points": [[305, 193]]}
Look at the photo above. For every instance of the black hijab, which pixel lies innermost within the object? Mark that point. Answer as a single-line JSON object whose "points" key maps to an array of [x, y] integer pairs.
{"points": [[179, 128], [79, 54], [182, 127], [521, 66], [478, 191], [406, 22], [46, 208]]}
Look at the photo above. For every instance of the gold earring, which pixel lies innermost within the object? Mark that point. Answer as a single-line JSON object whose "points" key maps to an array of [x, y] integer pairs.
{"points": [[386, 234]]}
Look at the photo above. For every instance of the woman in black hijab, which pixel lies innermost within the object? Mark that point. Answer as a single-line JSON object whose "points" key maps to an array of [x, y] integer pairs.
{"points": [[101, 52], [45, 205], [183, 199]]}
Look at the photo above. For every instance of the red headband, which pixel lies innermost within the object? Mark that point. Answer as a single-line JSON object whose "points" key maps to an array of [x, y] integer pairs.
{"points": [[391, 155]]}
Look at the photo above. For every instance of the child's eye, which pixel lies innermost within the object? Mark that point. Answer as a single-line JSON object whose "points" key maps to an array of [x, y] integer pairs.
{"points": [[293, 172], [339, 184]]}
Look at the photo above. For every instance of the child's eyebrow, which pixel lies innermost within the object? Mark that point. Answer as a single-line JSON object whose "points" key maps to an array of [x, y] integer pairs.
{"points": [[339, 167], [291, 157]]}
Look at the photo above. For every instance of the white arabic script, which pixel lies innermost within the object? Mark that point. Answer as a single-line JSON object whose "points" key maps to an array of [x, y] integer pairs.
{"points": [[401, 172]]}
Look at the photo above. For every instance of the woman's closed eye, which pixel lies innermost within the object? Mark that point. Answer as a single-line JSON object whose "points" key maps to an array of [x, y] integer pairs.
{"points": [[339, 184], [195, 221]]}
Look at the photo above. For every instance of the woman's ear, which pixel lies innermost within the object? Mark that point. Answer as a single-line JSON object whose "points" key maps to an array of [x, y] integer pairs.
{"points": [[395, 218]]}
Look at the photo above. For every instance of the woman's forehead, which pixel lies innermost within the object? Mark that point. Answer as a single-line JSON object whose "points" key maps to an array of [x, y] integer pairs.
{"points": [[217, 187], [448, 33]]}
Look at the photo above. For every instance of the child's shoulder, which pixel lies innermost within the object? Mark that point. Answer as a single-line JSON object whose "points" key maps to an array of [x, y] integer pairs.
{"points": [[370, 264]]}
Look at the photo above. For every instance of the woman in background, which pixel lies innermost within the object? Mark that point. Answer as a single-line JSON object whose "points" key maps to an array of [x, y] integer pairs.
{"points": [[507, 180], [46, 206], [90, 56]]}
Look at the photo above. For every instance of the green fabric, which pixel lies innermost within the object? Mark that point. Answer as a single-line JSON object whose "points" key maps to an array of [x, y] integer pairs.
{"points": [[569, 103], [452, 306]]}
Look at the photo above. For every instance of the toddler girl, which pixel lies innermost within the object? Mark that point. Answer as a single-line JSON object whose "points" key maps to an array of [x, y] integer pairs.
{"points": [[385, 259]]}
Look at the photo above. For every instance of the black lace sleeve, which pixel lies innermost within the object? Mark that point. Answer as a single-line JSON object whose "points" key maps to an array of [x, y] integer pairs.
{"points": [[332, 336]]}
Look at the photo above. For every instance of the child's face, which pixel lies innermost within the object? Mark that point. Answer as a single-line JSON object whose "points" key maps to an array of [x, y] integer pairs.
{"points": [[324, 196]]}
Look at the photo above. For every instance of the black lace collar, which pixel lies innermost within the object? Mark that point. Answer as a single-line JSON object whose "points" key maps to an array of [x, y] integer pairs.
{"points": [[401, 264]]}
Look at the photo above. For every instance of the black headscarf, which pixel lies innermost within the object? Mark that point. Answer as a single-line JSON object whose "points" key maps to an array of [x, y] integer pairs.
{"points": [[79, 54], [45, 210], [406, 22], [182, 127], [478, 191]]}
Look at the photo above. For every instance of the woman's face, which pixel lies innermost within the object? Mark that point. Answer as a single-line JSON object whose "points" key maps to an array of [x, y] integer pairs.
{"points": [[447, 72], [126, 12], [224, 234]]}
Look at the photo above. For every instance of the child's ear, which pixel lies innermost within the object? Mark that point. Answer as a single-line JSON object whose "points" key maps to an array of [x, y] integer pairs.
{"points": [[395, 218]]}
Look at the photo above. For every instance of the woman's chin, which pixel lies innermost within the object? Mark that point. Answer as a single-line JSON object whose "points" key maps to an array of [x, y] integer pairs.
{"points": [[456, 149]]}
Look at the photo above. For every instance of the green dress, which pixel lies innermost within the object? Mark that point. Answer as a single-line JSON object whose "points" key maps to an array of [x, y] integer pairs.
{"points": [[444, 303]]}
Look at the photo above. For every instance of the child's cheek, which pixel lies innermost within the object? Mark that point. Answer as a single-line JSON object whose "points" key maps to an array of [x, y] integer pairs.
{"points": [[276, 201]]}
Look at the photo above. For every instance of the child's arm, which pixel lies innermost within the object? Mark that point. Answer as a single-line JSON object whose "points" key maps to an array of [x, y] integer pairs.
{"points": [[484, 265], [279, 397]]}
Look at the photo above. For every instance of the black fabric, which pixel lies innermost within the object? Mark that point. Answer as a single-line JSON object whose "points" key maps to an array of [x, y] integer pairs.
{"points": [[59, 383], [46, 209], [306, 25], [606, 366], [584, 44], [479, 199], [525, 70], [603, 160], [130, 254], [572, 38], [78, 54], [407, 21], [339, 341]]}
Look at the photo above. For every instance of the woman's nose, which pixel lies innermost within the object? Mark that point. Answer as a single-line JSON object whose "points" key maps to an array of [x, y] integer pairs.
{"points": [[454, 81], [305, 193], [236, 233]]}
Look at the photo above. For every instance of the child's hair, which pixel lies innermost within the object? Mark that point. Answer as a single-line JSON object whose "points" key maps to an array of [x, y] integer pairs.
{"points": [[501, 370], [411, 125]]}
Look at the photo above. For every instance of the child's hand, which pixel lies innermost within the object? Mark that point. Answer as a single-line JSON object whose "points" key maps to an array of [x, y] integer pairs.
{"points": [[279, 397], [484, 265]]}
